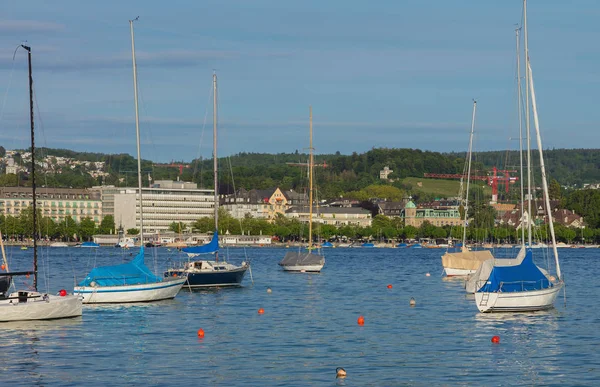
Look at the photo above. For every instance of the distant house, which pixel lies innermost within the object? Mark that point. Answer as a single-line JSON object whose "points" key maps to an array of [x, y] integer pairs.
{"points": [[391, 209], [385, 172], [342, 202], [441, 204], [564, 217], [337, 216], [415, 217], [568, 218], [503, 208], [262, 204]]}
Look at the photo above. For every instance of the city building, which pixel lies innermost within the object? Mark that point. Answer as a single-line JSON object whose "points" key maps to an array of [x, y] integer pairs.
{"points": [[54, 203], [414, 216], [336, 216], [262, 204], [164, 202]]}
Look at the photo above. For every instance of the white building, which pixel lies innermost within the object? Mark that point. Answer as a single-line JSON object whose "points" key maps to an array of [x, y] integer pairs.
{"points": [[164, 203], [337, 216]]}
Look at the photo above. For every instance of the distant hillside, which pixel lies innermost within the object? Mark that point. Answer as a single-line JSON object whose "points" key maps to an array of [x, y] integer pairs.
{"points": [[337, 175]]}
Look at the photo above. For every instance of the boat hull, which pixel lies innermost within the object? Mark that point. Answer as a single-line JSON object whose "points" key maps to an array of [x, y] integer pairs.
{"points": [[229, 278], [39, 307], [451, 272], [528, 301], [303, 268], [155, 291]]}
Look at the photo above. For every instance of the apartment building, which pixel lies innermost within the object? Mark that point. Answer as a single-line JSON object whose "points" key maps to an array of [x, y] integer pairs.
{"points": [[54, 203]]}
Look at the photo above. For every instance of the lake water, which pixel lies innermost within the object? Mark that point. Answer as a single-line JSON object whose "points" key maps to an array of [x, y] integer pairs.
{"points": [[309, 328]]}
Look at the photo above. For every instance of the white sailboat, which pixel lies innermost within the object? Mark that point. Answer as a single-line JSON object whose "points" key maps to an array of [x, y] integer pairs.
{"points": [[518, 284], [132, 281], [465, 261], [30, 304], [211, 273], [306, 261]]}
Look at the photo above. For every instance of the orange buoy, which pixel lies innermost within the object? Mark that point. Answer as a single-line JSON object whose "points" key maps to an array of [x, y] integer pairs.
{"points": [[62, 292], [174, 274], [26, 275], [361, 320], [390, 286], [200, 333], [340, 372], [496, 339], [261, 311], [3, 267]]}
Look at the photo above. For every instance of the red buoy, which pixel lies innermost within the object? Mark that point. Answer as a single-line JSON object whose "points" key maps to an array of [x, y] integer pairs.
{"points": [[496, 339], [200, 333], [261, 311], [3, 267], [361, 320], [62, 292], [174, 274], [390, 286]]}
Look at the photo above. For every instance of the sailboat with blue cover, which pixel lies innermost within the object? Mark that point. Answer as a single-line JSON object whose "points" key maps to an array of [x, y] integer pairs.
{"points": [[518, 284], [132, 281], [210, 273]]}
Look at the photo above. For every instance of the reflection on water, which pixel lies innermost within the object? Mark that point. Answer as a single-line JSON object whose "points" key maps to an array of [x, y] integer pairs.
{"points": [[310, 328]]}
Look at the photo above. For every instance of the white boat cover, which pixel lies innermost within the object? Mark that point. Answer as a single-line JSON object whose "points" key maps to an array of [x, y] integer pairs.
{"points": [[466, 260]]}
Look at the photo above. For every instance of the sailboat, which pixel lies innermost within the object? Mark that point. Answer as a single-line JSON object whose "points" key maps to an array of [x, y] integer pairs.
{"points": [[31, 304], [306, 261], [211, 273], [465, 261], [132, 281], [515, 285]]}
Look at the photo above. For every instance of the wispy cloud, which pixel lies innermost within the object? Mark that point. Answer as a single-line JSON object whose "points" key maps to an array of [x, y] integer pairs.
{"points": [[29, 26]]}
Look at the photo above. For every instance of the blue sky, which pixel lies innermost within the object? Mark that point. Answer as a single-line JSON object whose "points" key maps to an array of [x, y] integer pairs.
{"points": [[378, 74]]}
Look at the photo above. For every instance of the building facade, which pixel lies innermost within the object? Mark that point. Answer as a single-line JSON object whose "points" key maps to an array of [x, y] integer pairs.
{"points": [[163, 203], [261, 204], [336, 216], [55, 203], [415, 217]]}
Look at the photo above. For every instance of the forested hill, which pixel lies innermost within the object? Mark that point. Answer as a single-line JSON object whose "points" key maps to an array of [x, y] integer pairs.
{"points": [[337, 173]]}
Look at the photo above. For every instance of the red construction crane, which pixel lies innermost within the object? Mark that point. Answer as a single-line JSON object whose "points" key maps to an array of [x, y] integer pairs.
{"points": [[492, 180], [173, 165]]}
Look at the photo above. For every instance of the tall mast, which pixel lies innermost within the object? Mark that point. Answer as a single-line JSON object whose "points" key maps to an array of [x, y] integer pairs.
{"points": [[543, 170], [527, 126], [215, 172], [310, 180], [463, 248], [33, 196], [520, 134], [137, 131]]}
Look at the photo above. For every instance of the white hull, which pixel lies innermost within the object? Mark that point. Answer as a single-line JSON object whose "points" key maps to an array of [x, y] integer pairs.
{"points": [[528, 301], [304, 268], [166, 289], [39, 307], [450, 272]]}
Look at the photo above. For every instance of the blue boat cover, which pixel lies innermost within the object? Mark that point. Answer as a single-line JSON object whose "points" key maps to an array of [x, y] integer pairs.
{"points": [[523, 277], [131, 273], [89, 244], [326, 244], [367, 244], [208, 248]]}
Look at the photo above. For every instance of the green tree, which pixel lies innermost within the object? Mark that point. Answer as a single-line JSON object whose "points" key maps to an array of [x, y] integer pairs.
{"points": [[177, 227], [9, 180], [107, 226], [87, 228], [67, 228], [133, 231], [554, 190]]}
